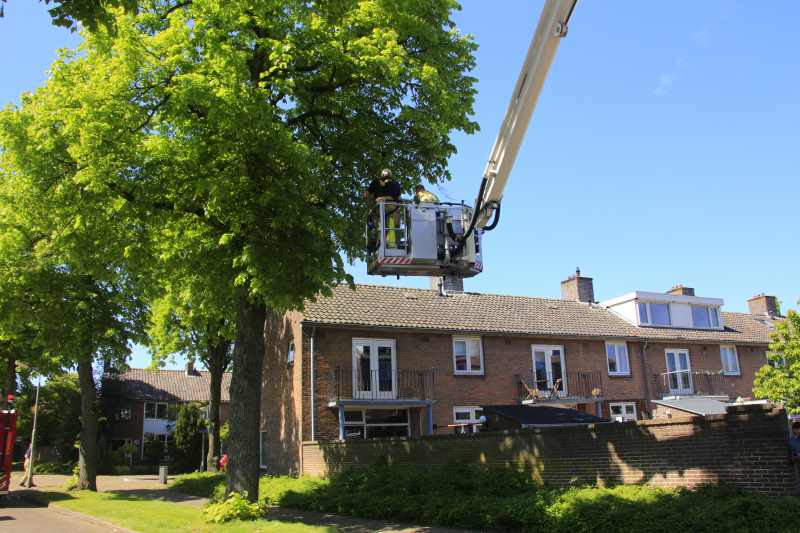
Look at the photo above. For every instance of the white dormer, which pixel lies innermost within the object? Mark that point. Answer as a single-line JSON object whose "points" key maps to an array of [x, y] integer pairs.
{"points": [[668, 310]]}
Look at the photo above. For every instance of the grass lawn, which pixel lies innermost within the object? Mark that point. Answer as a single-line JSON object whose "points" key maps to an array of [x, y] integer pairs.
{"points": [[148, 516]]}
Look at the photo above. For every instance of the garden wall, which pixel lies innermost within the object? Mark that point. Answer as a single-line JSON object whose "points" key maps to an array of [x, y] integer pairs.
{"points": [[746, 447]]}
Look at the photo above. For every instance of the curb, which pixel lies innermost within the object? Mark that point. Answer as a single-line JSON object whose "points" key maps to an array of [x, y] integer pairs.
{"points": [[74, 514]]}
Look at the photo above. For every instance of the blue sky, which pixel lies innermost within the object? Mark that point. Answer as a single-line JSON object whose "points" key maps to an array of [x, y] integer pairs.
{"points": [[664, 149]]}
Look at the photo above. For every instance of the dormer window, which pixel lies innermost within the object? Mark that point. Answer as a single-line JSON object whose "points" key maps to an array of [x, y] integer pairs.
{"points": [[705, 317], [655, 314]]}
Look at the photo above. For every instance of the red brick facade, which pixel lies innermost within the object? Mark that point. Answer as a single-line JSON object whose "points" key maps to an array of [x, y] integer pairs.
{"points": [[746, 447], [286, 397], [133, 428]]}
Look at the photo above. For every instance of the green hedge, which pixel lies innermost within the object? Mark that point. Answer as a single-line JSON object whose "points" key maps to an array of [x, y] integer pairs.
{"points": [[471, 497]]}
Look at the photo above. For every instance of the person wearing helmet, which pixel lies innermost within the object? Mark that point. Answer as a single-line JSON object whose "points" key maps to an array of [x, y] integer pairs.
{"points": [[424, 196], [385, 189]]}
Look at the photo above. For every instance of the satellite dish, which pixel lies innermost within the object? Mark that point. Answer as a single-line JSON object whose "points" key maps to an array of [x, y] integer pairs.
{"points": [[136, 442]]}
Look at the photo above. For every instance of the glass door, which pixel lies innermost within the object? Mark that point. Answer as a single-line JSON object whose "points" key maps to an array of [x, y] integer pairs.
{"points": [[679, 376], [548, 370], [374, 369]]}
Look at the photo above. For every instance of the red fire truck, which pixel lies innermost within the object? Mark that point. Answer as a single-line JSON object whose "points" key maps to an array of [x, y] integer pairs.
{"points": [[8, 430]]}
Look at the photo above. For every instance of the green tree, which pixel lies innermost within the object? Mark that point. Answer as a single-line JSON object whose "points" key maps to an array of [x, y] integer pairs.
{"points": [[199, 332], [59, 418], [188, 439], [780, 379], [249, 132]]}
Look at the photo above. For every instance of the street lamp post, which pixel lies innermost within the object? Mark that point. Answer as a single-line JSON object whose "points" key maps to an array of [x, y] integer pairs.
{"points": [[35, 415]]}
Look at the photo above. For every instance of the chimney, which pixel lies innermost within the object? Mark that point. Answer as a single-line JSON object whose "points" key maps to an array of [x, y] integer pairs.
{"points": [[447, 285], [189, 368], [680, 290], [577, 288], [763, 305]]}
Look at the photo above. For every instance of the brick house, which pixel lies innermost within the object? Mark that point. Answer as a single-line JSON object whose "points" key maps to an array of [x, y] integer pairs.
{"points": [[148, 396], [386, 361]]}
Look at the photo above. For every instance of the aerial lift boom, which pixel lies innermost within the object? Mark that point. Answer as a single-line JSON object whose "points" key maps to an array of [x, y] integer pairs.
{"points": [[445, 239]]}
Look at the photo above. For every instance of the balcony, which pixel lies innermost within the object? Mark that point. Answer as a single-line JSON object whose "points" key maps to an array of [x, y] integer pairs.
{"points": [[534, 386], [381, 387], [688, 383]]}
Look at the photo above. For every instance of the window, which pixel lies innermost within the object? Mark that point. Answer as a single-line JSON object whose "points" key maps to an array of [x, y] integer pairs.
{"points": [[623, 412], [468, 355], [161, 438], [156, 411], [774, 360], [705, 317], [467, 415], [263, 449], [290, 358], [374, 423], [124, 412], [655, 314], [617, 356], [730, 362]]}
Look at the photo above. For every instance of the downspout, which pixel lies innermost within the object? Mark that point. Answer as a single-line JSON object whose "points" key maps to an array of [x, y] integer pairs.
{"points": [[313, 432], [647, 380]]}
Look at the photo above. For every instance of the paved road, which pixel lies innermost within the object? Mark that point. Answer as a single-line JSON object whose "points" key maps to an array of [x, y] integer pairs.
{"points": [[19, 515]]}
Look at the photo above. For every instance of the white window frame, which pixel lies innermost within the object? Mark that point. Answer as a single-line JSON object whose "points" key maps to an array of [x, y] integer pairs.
{"points": [[166, 442], [774, 364], [468, 340], [261, 445], [168, 404], [290, 355], [617, 346], [650, 314], [474, 416], [708, 309], [731, 347], [624, 417]]}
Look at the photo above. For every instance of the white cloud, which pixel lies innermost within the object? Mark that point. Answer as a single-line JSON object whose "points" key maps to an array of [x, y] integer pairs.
{"points": [[681, 62], [666, 79], [701, 36]]}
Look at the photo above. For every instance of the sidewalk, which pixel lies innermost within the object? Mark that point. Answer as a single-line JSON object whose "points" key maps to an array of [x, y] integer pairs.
{"points": [[148, 487]]}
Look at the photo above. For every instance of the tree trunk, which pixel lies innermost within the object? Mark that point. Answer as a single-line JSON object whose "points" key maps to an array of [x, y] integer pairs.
{"points": [[87, 461], [245, 407], [216, 366], [11, 382]]}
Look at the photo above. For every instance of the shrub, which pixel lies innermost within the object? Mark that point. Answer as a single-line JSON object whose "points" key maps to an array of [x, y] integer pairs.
{"points": [[236, 507], [72, 483], [205, 485], [54, 467]]}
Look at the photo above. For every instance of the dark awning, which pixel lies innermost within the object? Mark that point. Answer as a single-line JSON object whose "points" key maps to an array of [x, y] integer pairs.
{"points": [[543, 414]]}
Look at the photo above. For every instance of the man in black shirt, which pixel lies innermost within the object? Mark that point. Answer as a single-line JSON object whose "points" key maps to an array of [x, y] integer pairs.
{"points": [[385, 189]]}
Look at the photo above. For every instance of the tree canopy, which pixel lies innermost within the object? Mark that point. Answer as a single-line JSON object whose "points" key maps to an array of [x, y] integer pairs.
{"points": [[779, 381], [238, 136]]}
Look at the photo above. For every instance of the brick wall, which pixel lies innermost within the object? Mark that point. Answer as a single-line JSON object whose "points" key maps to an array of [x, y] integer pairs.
{"points": [[746, 447]]}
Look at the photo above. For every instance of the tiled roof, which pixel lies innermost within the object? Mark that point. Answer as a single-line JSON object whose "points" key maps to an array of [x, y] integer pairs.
{"points": [[396, 307], [172, 385]]}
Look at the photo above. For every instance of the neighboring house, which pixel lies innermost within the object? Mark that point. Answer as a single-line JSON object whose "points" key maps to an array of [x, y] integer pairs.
{"points": [[386, 361], [149, 394]]}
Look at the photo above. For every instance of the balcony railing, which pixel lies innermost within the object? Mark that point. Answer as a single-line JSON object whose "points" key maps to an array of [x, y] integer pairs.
{"points": [[533, 385], [401, 385], [688, 383]]}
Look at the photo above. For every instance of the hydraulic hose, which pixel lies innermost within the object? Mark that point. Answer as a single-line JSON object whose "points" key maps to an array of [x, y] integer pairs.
{"points": [[493, 225], [461, 241]]}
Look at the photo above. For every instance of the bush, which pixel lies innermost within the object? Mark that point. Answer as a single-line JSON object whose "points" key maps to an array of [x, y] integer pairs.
{"points": [[72, 483], [205, 485], [54, 467], [153, 452], [466, 496], [236, 507]]}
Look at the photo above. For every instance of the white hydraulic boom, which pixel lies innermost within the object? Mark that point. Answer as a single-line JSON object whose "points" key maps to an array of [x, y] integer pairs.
{"points": [[551, 28], [432, 239]]}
